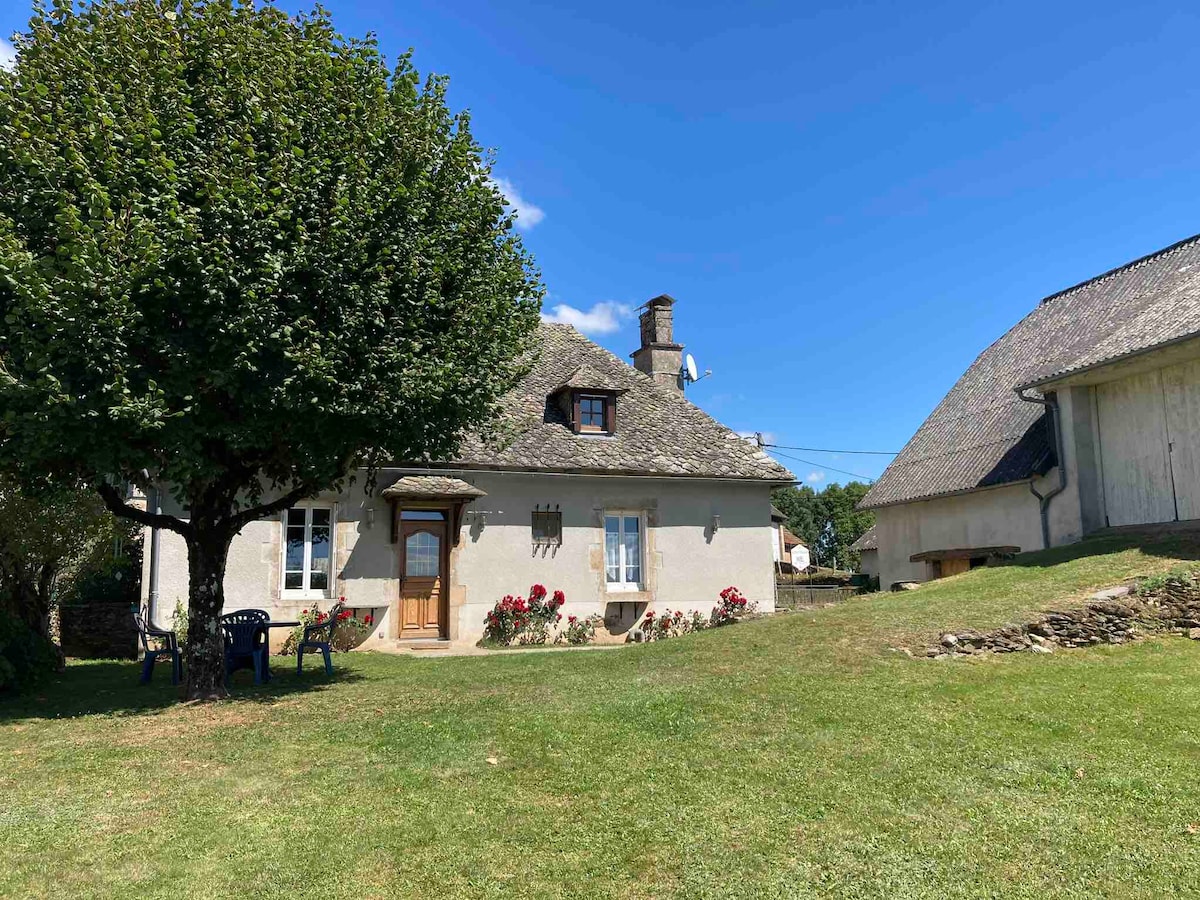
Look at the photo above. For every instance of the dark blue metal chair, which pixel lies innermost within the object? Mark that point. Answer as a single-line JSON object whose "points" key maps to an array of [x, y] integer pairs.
{"points": [[158, 644], [319, 637], [246, 644]]}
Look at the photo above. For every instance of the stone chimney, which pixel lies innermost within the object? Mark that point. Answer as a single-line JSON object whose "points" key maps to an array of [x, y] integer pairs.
{"points": [[659, 356]]}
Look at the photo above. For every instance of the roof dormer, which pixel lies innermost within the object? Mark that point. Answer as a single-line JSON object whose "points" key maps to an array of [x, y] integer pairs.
{"points": [[589, 401]]}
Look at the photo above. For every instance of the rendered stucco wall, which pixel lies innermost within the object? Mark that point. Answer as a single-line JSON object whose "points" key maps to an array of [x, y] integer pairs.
{"points": [[1006, 516], [869, 562], [686, 562]]}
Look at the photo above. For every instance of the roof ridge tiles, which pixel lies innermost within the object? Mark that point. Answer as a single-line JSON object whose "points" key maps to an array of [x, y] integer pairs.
{"points": [[1121, 269]]}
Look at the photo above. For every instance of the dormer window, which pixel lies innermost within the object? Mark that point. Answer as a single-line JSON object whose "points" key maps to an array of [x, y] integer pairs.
{"points": [[588, 401], [592, 413]]}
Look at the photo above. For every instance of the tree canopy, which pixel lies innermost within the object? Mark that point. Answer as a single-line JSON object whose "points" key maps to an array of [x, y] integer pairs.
{"points": [[239, 256], [826, 521]]}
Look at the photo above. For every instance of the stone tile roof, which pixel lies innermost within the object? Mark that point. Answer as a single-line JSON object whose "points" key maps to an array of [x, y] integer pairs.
{"points": [[982, 434], [658, 432], [868, 541], [585, 378], [432, 487]]}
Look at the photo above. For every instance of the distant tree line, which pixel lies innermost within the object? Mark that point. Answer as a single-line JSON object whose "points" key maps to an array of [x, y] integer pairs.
{"points": [[826, 521]]}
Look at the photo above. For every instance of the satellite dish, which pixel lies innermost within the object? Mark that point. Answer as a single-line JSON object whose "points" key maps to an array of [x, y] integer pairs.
{"points": [[689, 368]]}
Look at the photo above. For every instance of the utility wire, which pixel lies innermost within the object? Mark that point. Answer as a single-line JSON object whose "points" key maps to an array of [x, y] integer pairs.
{"points": [[809, 462], [825, 450]]}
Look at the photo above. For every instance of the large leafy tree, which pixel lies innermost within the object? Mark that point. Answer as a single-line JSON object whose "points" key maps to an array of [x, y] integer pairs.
{"points": [[239, 258]]}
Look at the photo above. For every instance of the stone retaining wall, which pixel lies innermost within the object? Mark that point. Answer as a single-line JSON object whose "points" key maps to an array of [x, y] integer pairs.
{"points": [[1114, 616], [97, 631]]}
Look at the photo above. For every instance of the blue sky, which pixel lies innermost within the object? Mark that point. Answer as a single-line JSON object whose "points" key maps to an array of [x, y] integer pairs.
{"points": [[848, 200]]}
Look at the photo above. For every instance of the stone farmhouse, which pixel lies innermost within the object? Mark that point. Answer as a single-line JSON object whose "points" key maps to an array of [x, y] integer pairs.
{"points": [[600, 479]]}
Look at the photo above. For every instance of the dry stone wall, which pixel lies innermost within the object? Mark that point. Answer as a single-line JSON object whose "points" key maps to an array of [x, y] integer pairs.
{"points": [[97, 630], [1114, 616]]}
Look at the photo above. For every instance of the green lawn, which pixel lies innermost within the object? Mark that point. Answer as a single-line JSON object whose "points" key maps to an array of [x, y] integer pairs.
{"points": [[791, 757]]}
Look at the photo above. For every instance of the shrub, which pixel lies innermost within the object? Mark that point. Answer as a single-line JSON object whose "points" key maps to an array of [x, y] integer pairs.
{"points": [[350, 632], [732, 607], [525, 621], [179, 624], [656, 627], [667, 624], [26, 657], [580, 631]]}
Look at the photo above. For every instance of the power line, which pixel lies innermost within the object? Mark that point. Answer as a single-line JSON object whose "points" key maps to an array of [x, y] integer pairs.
{"points": [[825, 450], [809, 462]]}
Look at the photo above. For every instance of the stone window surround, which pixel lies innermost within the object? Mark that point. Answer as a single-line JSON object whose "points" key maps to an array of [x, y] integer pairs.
{"points": [[285, 593], [624, 587]]}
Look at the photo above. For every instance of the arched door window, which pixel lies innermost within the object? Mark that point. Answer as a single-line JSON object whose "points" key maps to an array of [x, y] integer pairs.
{"points": [[422, 555]]}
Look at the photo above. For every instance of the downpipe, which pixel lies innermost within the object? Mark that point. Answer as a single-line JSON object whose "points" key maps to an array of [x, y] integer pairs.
{"points": [[1051, 404], [155, 505]]}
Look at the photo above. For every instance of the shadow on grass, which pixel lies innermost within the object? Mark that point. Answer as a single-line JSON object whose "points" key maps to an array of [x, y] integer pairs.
{"points": [[111, 687], [1178, 541]]}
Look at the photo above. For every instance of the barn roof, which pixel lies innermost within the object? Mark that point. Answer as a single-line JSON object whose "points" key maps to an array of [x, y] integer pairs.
{"points": [[982, 434]]}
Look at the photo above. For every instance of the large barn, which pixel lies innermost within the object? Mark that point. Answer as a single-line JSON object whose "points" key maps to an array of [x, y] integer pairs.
{"points": [[1085, 415]]}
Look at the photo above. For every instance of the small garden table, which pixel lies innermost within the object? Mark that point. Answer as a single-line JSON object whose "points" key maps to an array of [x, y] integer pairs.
{"points": [[274, 624]]}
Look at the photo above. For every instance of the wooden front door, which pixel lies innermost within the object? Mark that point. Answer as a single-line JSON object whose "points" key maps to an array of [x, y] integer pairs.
{"points": [[423, 556]]}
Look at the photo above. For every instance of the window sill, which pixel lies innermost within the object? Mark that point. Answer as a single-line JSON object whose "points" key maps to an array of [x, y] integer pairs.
{"points": [[622, 588]]}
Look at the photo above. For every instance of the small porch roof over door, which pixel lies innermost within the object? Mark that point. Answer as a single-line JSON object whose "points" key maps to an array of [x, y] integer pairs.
{"points": [[432, 487]]}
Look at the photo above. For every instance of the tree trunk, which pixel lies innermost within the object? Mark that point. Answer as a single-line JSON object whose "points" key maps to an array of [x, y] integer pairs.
{"points": [[45, 594], [208, 550]]}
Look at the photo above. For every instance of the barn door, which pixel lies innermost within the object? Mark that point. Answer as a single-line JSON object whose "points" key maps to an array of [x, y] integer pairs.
{"points": [[1181, 395], [1134, 450]]}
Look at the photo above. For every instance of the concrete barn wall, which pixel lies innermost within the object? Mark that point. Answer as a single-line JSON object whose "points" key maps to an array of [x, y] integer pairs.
{"points": [[1005, 516], [686, 563], [869, 562], [1131, 451]]}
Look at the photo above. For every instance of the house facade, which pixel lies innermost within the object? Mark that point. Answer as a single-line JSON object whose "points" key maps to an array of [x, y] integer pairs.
{"points": [[1085, 415], [599, 479]]}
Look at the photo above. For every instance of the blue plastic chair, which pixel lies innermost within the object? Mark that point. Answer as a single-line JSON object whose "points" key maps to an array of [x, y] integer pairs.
{"points": [[246, 643], [166, 647], [319, 637]]}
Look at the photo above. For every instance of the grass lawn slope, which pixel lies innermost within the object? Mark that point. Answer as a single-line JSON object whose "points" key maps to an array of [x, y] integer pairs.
{"points": [[791, 757]]}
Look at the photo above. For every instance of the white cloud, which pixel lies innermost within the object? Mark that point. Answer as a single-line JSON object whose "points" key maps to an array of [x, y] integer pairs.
{"points": [[527, 213], [603, 318], [815, 477], [8, 54]]}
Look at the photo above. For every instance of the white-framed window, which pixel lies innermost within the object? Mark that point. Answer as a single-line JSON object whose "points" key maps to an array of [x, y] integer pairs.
{"points": [[623, 550], [308, 551]]}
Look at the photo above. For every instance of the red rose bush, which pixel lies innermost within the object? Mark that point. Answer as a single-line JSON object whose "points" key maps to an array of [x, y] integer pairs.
{"points": [[526, 621], [657, 626]]}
